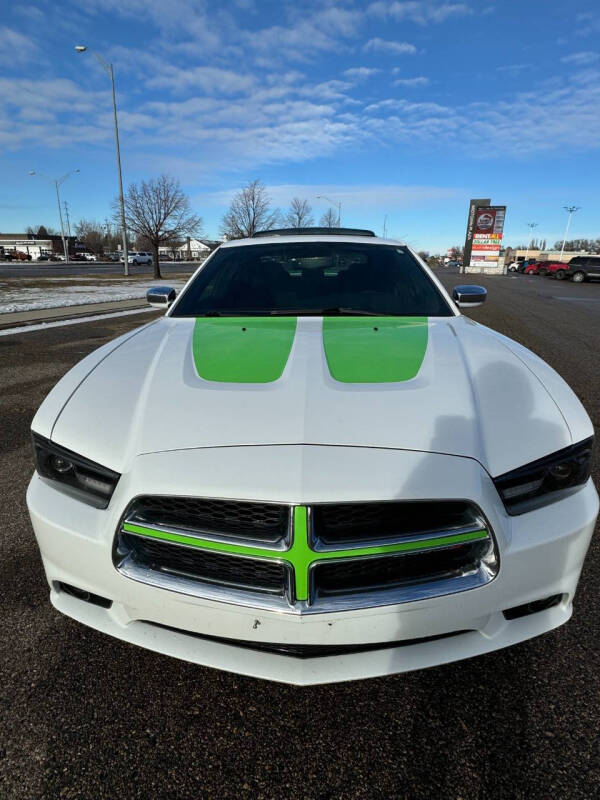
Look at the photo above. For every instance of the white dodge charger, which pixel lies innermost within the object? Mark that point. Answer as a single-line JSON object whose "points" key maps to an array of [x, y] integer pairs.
{"points": [[314, 468]]}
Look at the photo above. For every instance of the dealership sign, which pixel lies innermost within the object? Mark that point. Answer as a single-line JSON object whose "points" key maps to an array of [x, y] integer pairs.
{"points": [[488, 227]]}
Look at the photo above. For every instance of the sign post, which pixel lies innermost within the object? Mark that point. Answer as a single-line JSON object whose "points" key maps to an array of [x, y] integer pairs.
{"points": [[474, 204]]}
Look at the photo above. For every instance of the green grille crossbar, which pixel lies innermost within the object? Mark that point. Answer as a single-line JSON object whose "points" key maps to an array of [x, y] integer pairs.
{"points": [[300, 556]]}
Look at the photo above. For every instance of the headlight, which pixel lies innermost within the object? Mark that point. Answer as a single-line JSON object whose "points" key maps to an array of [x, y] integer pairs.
{"points": [[546, 480], [85, 479]]}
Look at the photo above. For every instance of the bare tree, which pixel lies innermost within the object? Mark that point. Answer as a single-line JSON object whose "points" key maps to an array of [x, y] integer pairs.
{"points": [[299, 214], [41, 230], [330, 219], [92, 234], [159, 212], [249, 212]]}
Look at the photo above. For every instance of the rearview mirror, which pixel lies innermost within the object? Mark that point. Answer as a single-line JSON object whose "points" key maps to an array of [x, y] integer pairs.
{"points": [[161, 296], [469, 296]]}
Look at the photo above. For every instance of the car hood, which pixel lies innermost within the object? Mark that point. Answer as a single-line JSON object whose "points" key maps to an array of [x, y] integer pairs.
{"points": [[443, 385]]}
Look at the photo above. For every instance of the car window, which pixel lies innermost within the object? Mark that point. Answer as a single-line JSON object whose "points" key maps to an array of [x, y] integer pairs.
{"points": [[576, 262], [312, 277]]}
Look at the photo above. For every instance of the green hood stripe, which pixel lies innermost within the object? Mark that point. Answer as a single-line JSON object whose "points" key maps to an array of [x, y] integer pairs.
{"points": [[300, 556], [242, 349], [374, 349]]}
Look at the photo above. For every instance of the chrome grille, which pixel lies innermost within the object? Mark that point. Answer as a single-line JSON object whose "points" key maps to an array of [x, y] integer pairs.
{"points": [[345, 523], [264, 522], [256, 575], [306, 559]]}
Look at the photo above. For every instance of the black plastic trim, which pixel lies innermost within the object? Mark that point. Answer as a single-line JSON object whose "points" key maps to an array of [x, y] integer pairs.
{"points": [[308, 650]]}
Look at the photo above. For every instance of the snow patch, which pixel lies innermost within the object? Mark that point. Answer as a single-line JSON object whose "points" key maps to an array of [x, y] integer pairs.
{"points": [[49, 296]]}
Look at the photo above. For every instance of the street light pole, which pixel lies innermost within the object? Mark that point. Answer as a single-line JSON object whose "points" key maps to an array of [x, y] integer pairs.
{"points": [[57, 182], [531, 226], [108, 68], [338, 204], [570, 210]]}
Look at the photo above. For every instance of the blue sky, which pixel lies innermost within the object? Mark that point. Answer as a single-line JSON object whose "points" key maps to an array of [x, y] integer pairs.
{"points": [[399, 108]]}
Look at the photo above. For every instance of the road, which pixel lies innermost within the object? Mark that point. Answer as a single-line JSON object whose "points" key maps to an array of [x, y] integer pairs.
{"points": [[86, 716], [46, 269]]}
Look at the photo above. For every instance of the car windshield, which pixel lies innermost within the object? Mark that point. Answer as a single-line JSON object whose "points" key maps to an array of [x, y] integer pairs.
{"points": [[312, 278]]}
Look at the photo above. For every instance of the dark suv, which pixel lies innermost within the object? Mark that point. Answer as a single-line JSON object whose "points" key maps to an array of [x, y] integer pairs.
{"points": [[583, 268]]}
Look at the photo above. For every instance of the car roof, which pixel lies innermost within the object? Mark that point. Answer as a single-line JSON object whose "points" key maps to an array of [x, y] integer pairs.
{"points": [[278, 238]]}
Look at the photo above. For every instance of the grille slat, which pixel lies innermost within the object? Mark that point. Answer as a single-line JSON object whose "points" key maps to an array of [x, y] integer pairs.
{"points": [[340, 523], [204, 565], [349, 576], [265, 522]]}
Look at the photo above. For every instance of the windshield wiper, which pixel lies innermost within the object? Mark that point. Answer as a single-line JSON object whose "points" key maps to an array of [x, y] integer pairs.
{"points": [[335, 311]]}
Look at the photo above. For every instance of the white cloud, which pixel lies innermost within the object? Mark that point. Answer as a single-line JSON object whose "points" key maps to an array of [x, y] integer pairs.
{"points": [[210, 80], [412, 82], [378, 45], [360, 73], [31, 12], [582, 58], [419, 11], [15, 48]]}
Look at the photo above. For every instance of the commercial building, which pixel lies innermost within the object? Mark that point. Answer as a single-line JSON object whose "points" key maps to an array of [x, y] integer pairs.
{"points": [[33, 245]]}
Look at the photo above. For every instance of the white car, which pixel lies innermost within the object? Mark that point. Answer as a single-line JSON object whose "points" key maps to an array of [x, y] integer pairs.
{"points": [[90, 256], [139, 258], [310, 470]]}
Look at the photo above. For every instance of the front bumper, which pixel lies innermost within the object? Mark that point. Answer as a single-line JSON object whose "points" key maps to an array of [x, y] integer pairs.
{"points": [[541, 554]]}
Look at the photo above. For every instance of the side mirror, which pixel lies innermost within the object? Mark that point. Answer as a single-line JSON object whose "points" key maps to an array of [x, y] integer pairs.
{"points": [[161, 296], [469, 296]]}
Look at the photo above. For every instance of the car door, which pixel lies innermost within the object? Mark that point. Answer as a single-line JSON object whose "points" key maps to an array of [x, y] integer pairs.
{"points": [[592, 267]]}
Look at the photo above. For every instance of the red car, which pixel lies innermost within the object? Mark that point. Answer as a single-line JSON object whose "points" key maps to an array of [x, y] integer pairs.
{"points": [[557, 269], [535, 268], [552, 268]]}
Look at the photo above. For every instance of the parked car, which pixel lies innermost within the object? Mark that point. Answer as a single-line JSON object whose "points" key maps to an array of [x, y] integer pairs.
{"points": [[556, 269], [532, 267], [139, 257], [19, 255], [583, 268], [285, 495], [90, 256]]}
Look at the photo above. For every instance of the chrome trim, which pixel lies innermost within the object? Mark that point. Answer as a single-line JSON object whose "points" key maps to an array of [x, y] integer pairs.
{"points": [[160, 296], [264, 602], [267, 560], [479, 523], [486, 570], [281, 546], [202, 589], [356, 544]]}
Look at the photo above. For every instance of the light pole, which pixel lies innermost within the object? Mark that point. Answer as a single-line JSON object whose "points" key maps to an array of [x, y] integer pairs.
{"points": [[570, 210], [338, 204], [108, 68], [57, 182], [531, 226]]}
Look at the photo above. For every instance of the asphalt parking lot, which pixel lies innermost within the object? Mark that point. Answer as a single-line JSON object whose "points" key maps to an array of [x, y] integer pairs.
{"points": [[86, 716]]}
